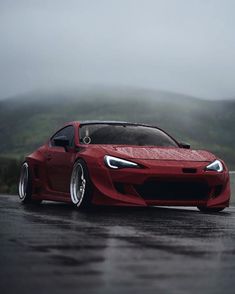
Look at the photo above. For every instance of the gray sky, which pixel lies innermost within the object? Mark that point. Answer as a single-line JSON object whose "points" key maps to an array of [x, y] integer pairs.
{"points": [[186, 46]]}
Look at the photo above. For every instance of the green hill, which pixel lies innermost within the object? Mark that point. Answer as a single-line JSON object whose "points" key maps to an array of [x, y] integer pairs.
{"points": [[27, 121]]}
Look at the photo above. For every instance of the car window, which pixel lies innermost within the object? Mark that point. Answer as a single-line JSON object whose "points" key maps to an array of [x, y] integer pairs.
{"points": [[124, 135], [68, 132]]}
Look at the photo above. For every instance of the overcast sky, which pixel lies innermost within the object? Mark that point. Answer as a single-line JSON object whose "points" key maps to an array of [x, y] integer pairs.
{"points": [[186, 46]]}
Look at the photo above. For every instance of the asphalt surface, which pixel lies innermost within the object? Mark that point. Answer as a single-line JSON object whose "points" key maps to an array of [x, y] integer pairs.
{"points": [[54, 248]]}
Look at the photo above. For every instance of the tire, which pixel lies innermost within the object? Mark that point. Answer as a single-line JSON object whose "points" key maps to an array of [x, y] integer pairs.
{"points": [[80, 185], [25, 185], [210, 209]]}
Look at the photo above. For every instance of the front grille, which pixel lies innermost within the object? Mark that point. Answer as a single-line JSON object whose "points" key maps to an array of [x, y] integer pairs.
{"points": [[173, 190]]}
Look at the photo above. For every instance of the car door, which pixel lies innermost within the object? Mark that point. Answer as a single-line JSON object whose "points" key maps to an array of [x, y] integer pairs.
{"points": [[59, 161]]}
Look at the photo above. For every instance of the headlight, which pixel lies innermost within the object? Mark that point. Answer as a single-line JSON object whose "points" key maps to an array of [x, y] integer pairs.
{"points": [[115, 163], [215, 166]]}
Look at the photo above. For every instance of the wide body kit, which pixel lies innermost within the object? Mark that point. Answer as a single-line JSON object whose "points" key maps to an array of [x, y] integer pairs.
{"points": [[166, 176]]}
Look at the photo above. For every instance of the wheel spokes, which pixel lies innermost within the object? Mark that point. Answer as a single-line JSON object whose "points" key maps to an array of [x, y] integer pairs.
{"points": [[78, 184]]}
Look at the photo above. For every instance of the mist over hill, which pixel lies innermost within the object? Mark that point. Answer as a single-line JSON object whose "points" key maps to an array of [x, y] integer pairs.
{"points": [[26, 121]]}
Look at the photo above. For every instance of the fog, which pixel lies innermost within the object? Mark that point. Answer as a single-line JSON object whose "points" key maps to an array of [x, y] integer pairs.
{"points": [[183, 46]]}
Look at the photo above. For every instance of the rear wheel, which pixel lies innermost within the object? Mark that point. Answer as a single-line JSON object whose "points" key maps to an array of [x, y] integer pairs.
{"points": [[80, 185], [25, 185], [210, 209]]}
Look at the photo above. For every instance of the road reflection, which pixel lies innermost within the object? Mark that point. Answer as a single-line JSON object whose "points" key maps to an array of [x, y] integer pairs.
{"points": [[132, 245], [113, 250]]}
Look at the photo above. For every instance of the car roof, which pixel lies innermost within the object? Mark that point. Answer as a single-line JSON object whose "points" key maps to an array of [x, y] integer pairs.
{"points": [[89, 122], [110, 122]]}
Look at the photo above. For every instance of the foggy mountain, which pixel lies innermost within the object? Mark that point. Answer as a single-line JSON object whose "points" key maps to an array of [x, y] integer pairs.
{"points": [[27, 121]]}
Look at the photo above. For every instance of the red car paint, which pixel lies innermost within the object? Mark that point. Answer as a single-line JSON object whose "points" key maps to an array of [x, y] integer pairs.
{"points": [[183, 169]]}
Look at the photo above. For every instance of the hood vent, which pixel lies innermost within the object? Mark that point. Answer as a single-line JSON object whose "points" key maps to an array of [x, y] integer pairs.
{"points": [[189, 170]]}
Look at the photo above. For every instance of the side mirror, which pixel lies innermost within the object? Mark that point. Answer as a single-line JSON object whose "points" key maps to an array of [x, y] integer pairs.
{"points": [[61, 141], [184, 145]]}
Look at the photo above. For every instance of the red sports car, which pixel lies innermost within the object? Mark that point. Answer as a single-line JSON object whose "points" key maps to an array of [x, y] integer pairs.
{"points": [[124, 164]]}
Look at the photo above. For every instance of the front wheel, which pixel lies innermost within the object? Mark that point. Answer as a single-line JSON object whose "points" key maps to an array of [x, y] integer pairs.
{"points": [[80, 185], [210, 209]]}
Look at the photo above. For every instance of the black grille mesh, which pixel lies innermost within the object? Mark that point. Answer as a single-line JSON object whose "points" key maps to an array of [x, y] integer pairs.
{"points": [[173, 190]]}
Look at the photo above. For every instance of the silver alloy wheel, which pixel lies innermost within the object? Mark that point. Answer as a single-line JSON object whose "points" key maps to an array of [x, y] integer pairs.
{"points": [[77, 184], [23, 182]]}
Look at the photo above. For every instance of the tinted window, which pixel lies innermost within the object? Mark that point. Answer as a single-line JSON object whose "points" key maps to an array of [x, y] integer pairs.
{"points": [[68, 132], [124, 135]]}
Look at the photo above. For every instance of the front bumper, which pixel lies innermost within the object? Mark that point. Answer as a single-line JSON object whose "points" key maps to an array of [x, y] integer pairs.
{"points": [[166, 183]]}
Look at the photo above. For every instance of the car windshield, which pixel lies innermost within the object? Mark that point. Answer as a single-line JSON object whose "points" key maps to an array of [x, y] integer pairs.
{"points": [[124, 135]]}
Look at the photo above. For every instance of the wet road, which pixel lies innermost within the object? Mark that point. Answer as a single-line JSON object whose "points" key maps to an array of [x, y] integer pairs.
{"points": [[54, 247]]}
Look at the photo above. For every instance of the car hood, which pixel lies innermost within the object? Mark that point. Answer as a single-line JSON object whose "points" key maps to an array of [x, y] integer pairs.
{"points": [[160, 153]]}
